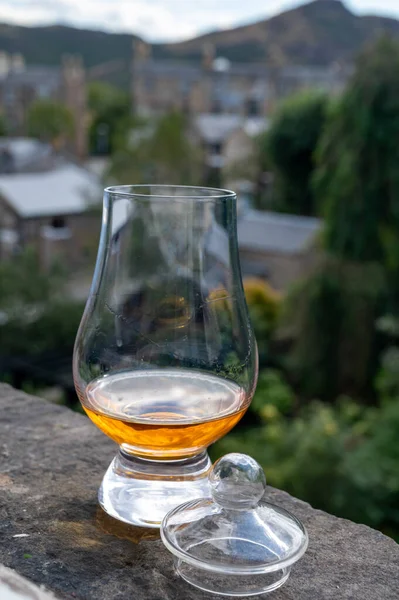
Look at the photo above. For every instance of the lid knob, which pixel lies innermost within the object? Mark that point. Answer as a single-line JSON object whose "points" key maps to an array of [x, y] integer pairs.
{"points": [[237, 482]]}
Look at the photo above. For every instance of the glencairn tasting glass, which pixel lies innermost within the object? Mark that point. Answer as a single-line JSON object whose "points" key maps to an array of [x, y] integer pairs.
{"points": [[165, 360]]}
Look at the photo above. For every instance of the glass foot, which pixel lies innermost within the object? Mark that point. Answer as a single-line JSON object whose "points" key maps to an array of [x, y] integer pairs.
{"points": [[140, 492]]}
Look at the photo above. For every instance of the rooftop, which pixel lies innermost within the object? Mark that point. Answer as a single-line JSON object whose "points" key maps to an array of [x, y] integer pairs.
{"points": [[22, 153], [195, 70], [67, 189], [33, 74], [223, 69], [274, 232], [216, 128]]}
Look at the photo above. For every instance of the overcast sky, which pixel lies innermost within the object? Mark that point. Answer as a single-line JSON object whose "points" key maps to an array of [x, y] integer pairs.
{"points": [[158, 20]]}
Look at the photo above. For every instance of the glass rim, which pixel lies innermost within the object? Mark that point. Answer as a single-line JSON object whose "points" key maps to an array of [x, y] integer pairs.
{"points": [[208, 193]]}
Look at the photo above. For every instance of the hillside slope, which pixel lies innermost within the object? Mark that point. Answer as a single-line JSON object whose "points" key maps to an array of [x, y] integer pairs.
{"points": [[320, 32]]}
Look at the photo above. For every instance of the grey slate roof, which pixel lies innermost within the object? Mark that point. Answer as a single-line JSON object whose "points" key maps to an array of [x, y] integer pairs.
{"points": [[68, 189], [25, 152], [216, 128], [274, 232], [182, 68]]}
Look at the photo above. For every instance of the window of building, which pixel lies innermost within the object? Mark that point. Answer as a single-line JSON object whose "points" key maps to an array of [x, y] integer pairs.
{"points": [[215, 148], [58, 222], [253, 108]]}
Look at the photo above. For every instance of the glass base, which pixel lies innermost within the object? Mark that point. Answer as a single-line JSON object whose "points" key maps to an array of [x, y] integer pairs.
{"points": [[140, 492], [231, 585]]}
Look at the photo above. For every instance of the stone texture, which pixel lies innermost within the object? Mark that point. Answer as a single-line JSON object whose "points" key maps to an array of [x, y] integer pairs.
{"points": [[51, 464]]}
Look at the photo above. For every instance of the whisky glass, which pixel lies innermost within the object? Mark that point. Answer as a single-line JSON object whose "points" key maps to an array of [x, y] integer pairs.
{"points": [[165, 359]]}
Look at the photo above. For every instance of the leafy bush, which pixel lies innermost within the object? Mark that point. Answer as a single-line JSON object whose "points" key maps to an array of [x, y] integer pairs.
{"points": [[158, 151], [289, 146], [50, 121], [273, 395], [23, 283], [356, 181], [332, 321], [387, 380], [111, 118], [53, 329], [35, 315], [264, 306]]}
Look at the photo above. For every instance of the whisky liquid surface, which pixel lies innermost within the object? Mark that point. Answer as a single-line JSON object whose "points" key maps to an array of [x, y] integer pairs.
{"points": [[164, 413]]}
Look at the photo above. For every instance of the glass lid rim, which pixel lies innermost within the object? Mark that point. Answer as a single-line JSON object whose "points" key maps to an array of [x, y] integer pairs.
{"points": [[269, 567], [127, 191]]}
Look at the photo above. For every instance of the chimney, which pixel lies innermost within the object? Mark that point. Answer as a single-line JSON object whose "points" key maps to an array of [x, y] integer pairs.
{"points": [[18, 63], [141, 51], [208, 55], [73, 95], [5, 63]]}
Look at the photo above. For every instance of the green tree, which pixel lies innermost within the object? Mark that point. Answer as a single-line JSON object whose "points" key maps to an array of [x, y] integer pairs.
{"points": [[102, 95], [356, 184], [159, 152], [3, 126], [264, 305], [50, 121], [111, 117], [287, 149], [175, 158], [35, 315], [24, 283], [332, 316], [357, 175]]}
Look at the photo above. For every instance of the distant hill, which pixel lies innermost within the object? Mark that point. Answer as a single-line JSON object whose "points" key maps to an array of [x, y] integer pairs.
{"points": [[46, 45], [317, 33]]}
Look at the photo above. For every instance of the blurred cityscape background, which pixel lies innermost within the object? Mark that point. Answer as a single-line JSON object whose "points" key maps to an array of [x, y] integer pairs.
{"points": [[300, 115]]}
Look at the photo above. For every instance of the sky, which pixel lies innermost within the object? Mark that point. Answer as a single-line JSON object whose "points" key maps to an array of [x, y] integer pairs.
{"points": [[163, 20]]}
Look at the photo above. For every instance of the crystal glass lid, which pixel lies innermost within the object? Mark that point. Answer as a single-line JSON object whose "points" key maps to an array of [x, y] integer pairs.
{"points": [[235, 533]]}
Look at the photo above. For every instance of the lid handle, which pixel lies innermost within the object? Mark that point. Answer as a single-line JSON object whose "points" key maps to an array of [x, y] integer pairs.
{"points": [[237, 482]]}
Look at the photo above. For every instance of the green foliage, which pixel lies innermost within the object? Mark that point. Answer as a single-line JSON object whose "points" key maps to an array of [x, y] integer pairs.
{"points": [[288, 149], [357, 179], [175, 158], [35, 317], [53, 328], [102, 96], [264, 306], [273, 396], [371, 472], [23, 283], [343, 459], [332, 316], [145, 264], [335, 342], [111, 117], [387, 380], [3, 126], [49, 121], [158, 153]]}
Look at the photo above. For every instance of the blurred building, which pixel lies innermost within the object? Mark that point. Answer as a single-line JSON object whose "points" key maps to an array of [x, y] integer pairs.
{"points": [[21, 85], [226, 138], [277, 247], [21, 155], [50, 211], [217, 85]]}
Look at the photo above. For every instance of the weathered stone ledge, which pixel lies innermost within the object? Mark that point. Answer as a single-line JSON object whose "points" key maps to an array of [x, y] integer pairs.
{"points": [[52, 532]]}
